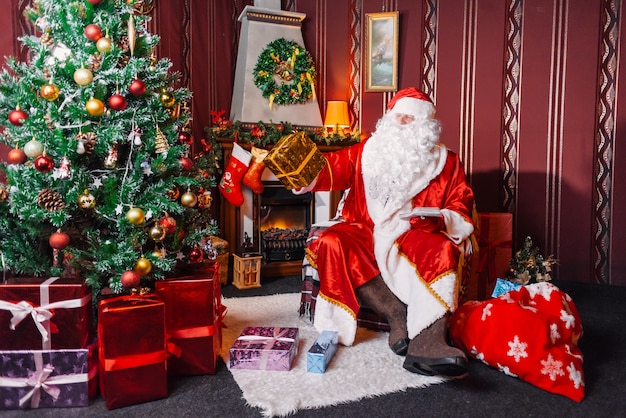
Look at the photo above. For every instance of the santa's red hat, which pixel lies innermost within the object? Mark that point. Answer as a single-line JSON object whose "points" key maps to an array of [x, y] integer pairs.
{"points": [[411, 101]]}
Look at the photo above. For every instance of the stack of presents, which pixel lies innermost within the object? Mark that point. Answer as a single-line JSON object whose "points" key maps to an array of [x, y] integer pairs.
{"points": [[50, 356]]}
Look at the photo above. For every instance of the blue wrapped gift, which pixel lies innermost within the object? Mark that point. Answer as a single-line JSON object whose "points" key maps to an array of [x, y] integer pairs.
{"points": [[503, 286], [322, 351]]}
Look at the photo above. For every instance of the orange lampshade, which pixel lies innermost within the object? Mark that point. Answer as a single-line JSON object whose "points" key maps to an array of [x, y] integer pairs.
{"points": [[337, 114]]}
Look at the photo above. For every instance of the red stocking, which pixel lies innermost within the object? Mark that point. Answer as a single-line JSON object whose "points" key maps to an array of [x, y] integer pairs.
{"points": [[252, 178], [230, 184]]}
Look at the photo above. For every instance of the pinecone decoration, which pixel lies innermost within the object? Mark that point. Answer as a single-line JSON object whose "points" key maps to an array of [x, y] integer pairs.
{"points": [[46, 39], [95, 61], [124, 46], [50, 200], [88, 141], [46, 73], [4, 194]]}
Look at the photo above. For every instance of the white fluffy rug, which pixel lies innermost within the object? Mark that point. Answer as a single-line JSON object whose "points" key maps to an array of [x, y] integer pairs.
{"points": [[366, 369]]}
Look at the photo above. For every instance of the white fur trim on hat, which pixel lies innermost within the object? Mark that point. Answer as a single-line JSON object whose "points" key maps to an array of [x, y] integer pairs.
{"points": [[416, 107]]}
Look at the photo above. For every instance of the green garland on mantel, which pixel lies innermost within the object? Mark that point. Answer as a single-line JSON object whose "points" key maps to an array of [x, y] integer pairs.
{"points": [[292, 65], [264, 135]]}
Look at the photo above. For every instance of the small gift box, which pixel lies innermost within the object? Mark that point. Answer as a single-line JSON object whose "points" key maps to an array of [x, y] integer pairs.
{"points": [[265, 348], [322, 351], [503, 286], [45, 313], [295, 160], [48, 378], [193, 320], [131, 345]]}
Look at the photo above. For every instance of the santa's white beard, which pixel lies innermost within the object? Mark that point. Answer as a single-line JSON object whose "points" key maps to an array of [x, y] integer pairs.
{"points": [[397, 155]]}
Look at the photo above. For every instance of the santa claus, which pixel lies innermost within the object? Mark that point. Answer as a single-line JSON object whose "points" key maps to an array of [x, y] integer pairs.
{"points": [[407, 218]]}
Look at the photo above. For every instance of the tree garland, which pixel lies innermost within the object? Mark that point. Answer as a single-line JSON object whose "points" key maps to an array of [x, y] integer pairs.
{"points": [[292, 65]]}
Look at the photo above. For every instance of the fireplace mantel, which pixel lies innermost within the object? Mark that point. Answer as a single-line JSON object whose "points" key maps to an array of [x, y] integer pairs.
{"points": [[231, 219]]}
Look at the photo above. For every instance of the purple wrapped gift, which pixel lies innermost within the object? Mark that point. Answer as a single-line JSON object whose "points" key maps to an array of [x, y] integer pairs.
{"points": [[48, 378], [265, 348]]}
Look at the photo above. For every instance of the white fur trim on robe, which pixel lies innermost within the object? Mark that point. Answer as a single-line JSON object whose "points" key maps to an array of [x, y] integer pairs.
{"points": [[332, 317], [425, 302]]}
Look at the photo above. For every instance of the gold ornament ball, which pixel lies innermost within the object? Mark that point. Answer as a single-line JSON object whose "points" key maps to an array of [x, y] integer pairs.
{"points": [[157, 233], [94, 107], [143, 266], [50, 92], [156, 253], [135, 216], [83, 76], [167, 99], [188, 199], [104, 44], [86, 200]]}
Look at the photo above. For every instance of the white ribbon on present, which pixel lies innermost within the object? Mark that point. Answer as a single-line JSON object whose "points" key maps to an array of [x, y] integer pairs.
{"points": [[269, 343], [41, 314], [41, 379]]}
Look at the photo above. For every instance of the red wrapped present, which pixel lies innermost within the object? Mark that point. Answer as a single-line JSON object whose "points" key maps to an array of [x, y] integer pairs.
{"points": [[48, 378], [495, 233], [265, 348], [193, 320], [45, 314], [132, 355]]}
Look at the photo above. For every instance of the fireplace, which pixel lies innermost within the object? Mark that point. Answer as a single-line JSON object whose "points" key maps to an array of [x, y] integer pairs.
{"points": [[282, 222]]}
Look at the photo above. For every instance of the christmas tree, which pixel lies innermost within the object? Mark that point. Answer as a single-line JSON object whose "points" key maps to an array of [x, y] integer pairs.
{"points": [[99, 179]]}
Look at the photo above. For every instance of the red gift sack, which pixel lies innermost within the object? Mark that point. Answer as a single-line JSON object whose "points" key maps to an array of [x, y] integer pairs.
{"points": [[531, 333]]}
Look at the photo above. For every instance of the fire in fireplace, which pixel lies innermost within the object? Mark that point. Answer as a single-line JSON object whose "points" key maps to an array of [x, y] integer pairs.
{"points": [[282, 222]]}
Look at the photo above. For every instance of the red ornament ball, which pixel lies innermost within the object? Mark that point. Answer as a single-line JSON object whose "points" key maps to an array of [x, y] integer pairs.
{"points": [[186, 163], [44, 163], [137, 87], [94, 2], [168, 224], [93, 32], [130, 279], [17, 117], [117, 102], [17, 156], [185, 137], [59, 240], [195, 255]]}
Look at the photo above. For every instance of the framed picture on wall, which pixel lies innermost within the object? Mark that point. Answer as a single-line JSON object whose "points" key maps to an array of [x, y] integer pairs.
{"points": [[381, 49]]}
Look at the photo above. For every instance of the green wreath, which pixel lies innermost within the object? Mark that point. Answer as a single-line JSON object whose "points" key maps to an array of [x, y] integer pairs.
{"points": [[292, 65]]}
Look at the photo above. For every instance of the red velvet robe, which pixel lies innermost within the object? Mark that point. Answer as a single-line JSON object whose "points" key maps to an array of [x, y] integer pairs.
{"points": [[417, 258]]}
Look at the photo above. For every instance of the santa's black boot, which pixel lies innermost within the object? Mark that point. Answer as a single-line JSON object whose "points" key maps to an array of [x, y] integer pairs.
{"points": [[429, 354], [376, 295]]}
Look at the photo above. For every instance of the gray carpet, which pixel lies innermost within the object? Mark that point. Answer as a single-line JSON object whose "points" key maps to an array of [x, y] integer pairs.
{"points": [[484, 393]]}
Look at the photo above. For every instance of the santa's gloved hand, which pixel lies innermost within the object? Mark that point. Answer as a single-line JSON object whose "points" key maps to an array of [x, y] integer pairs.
{"points": [[428, 223]]}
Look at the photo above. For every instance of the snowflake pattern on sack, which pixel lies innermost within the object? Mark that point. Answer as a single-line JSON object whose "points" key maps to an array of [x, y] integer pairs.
{"points": [[518, 349], [530, 333]]}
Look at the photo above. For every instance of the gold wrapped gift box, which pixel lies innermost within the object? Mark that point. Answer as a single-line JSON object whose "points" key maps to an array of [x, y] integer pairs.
{"points": [[295, 160]]}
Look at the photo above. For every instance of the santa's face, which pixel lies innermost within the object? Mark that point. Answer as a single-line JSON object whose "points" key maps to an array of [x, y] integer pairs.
{"points": [[399, 153], [403, 118]]}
